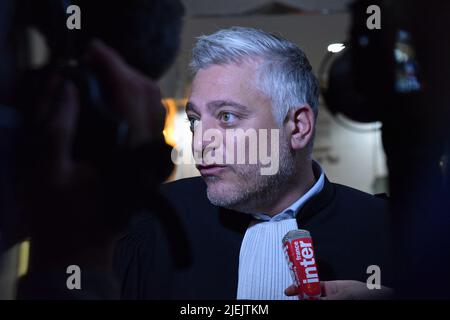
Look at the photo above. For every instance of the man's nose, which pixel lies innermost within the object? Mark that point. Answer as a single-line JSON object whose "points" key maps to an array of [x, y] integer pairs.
{"points": [[197, 141], [203, 140]]}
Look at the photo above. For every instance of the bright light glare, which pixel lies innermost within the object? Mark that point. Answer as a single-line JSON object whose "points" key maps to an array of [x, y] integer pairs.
{"points": [[336, 47]]}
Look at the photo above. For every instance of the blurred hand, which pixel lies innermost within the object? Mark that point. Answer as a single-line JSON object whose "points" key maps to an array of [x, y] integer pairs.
{"points": [[347, 290], [136, 97]]}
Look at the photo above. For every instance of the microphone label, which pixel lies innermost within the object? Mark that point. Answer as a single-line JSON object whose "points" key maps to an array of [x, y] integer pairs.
{"points": [[299, 252]]}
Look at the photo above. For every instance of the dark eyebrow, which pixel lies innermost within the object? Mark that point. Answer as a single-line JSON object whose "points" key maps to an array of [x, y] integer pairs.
{"points": [[222, 103], [191, 107]]}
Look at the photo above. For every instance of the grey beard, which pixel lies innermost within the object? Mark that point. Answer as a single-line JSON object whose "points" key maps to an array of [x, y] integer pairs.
{"points": [[263, 191]]}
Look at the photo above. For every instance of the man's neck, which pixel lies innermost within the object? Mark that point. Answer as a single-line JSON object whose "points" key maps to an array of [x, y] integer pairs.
{"points": [[298, 186]]}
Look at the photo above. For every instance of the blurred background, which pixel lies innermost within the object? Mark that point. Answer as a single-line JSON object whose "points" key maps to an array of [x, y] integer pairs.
{"points": [[351, 153]]}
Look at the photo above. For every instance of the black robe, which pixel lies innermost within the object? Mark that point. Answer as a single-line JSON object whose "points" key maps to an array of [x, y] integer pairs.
{"points": [[186, 248]]}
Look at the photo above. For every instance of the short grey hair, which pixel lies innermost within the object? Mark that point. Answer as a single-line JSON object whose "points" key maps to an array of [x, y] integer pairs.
{"points": [[285, 74]]}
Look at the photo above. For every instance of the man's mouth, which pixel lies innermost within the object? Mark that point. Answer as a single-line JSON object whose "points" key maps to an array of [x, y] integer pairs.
{"points": [[210, 170]]}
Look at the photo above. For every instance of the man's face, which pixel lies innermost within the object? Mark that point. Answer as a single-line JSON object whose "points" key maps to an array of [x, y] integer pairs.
{"points": [[225, 98]]}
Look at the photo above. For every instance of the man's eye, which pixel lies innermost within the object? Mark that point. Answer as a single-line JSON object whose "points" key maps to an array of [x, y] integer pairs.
{"points": [[227, 117], [193, 122]]}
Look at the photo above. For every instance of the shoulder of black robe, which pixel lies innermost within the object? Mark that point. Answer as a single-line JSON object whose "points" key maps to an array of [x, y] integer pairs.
{"points": [[182, 248], [351, 231], [189, 249]]}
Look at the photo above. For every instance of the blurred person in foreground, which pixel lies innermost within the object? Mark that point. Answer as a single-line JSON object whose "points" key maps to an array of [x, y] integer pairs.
{"points": [[75, 210]]}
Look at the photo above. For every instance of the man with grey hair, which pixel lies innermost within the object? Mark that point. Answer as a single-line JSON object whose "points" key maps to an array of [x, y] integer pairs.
{"points": [[234, 216]]}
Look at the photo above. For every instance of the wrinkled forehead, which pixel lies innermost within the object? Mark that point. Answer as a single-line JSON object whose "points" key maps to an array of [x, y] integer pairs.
{"points": [[225, 77], [230, 88]]}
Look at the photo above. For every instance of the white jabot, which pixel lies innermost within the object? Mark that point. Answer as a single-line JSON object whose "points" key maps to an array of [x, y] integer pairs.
{"points": [[263, 270]]}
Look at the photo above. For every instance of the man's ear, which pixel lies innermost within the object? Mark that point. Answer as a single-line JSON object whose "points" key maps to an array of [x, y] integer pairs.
{"points": [[301, 126]]}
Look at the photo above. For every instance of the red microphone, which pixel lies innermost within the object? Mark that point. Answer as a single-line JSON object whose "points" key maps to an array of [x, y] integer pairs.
{"points": [[299, 251]]}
